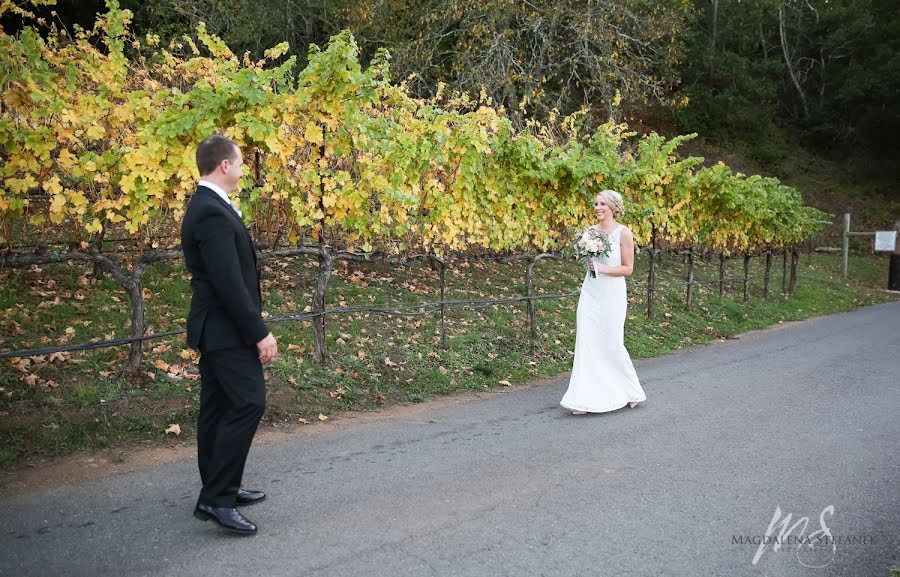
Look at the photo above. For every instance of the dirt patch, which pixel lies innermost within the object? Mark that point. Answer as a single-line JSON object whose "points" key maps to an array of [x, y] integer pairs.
{"points": [[42, 475]]}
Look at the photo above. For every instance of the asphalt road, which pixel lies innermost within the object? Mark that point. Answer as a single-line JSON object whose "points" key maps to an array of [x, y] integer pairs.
{"points": [[801, 420]]}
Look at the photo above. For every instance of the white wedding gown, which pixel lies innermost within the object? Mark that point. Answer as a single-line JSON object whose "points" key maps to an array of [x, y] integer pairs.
{"points": [[603, 378]]}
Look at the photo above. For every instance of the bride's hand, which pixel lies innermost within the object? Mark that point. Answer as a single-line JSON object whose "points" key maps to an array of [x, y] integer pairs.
{"points": [[600, 268]]}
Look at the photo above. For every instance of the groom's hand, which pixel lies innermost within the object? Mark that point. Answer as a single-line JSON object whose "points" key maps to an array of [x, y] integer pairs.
{"points": [[268, 349]]}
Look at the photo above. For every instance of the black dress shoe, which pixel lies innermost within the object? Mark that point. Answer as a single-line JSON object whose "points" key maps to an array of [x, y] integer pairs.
{"points": [[227, 518], [245, 497]]}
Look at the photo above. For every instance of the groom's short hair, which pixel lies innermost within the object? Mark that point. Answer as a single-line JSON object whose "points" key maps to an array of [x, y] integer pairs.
{"points": [[212, 151]]}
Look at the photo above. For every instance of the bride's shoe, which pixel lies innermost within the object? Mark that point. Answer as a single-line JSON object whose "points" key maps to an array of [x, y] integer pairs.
{"points": [[632, 404], [579, 412]]}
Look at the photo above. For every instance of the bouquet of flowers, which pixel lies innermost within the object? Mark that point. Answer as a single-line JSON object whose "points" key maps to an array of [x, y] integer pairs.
{"points": [[593, 243]]}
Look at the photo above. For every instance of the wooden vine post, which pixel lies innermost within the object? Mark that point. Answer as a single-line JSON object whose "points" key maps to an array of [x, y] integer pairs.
{"points": [[651, 275], [746, 277], [722, 260], [529, 293], [795, 260], [440, 266], [326, 263], [784, 271], [690, 278]]}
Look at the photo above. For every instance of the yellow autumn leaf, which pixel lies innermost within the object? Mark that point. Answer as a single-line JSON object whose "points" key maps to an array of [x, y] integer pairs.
{"points": [[95, 132], [94, 226], [53, 186], [58, 204], [313, 133]]}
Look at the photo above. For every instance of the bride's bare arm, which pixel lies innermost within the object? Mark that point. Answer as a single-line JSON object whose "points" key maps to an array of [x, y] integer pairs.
{"points": [[626, 241]]}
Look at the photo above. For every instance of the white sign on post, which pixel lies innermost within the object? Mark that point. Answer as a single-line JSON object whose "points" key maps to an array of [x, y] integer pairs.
{"points": [[885, 240]]}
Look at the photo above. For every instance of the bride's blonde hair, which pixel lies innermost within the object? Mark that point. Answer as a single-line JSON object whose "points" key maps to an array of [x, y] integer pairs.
{"points": [[614, 200]]}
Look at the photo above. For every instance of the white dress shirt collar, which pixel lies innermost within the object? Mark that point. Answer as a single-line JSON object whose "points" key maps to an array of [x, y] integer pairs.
{"points": [[218, 190]]}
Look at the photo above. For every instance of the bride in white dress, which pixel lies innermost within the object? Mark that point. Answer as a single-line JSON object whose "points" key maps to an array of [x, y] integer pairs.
{"points": [[603, 378]]}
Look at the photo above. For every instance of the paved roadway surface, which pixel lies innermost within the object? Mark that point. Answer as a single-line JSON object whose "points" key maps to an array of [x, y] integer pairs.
{"points": [[797, 419]]}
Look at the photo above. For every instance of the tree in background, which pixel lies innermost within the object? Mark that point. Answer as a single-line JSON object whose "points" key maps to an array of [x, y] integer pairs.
{"points": [[829, 69], [740, 70], [533, 57]]}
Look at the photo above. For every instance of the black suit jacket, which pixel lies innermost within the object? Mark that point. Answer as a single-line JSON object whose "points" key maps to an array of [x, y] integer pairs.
{"points": [[226, 301]]}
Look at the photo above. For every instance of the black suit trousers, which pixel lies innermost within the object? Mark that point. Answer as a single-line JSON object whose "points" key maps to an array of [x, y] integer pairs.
{"points": [[232, 402]]}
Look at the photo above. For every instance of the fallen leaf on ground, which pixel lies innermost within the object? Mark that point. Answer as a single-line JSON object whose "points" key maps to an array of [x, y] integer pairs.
{"points": [[57, 357], [174, 429], [322, 417], [504, 383]]}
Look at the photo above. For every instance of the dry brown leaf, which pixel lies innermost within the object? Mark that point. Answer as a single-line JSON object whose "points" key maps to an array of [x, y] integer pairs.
{"points": [[504, 383], [322, 417], [174, 429], [388, 362], [161, 365], [61, 357], [30, 380], [104, 374], [361, 355], [22, 365], [303, 421]]}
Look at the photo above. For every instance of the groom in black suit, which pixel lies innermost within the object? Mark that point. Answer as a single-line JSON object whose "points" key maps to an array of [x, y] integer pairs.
{"points": [[225, 324]]}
